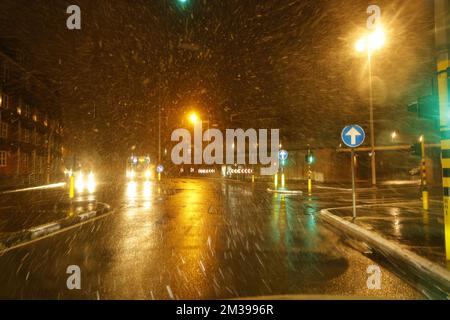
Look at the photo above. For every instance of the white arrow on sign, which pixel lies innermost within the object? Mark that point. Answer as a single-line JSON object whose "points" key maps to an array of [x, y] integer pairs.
{"points": [[353, 133]]}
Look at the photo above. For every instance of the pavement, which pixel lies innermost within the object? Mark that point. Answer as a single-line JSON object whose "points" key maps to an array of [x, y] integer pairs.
{"points": [[407, 224]]}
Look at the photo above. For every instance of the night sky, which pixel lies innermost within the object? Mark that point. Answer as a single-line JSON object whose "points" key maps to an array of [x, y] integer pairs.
{"points": [[287, 64]]}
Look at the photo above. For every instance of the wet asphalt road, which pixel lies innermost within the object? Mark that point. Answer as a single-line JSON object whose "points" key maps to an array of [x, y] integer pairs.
{"points": [[201, 239]]}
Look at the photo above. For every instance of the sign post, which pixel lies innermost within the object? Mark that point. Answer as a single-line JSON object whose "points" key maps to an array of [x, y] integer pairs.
{"points": [[159, 170], [353, 136], [353, 183]]}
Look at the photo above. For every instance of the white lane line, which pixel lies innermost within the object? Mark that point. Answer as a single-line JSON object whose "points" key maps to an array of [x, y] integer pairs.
{"points": [[44, 187]]}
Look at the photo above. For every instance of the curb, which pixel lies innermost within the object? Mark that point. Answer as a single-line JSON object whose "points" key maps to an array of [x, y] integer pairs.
{"points": [[285, 191], [49, 228], [439, 276]]}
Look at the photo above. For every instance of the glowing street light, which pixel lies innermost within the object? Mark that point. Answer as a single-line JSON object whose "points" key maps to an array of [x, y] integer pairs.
{"points": [[193, 117], [370, 43], [394, 136]]}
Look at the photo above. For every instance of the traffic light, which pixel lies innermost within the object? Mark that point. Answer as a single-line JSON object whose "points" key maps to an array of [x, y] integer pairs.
{"points": [[183, 3], [310, 157], [427, 107], [416, 149]]}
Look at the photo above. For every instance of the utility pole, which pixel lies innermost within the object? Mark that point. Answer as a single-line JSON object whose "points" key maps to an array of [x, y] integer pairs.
{"points": [[442, 33]]}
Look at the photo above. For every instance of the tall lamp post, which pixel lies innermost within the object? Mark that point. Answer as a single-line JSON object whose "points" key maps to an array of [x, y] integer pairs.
{"points": [[369, 44]]}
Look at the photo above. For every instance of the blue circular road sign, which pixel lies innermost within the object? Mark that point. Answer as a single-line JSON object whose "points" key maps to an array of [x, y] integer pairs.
{"points": [[159, 168], [353, 136], [283, 155]]}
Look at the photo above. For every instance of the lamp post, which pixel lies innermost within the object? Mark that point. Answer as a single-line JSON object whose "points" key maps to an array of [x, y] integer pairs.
{"points": [[370, 43]]}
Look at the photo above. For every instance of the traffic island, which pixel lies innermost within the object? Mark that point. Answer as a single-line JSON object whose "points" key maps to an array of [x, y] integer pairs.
{"points": [[11, 239], [405, 235]]}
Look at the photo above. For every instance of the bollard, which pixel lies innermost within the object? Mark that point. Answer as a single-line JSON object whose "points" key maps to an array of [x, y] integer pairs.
{"points": [[275, 182], [72, 187], [425, 199], [159, 176], [283, 180]]}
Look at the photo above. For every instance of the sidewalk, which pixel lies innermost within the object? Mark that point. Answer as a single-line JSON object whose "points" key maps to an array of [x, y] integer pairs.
{"points": [[403, 232], [407, 224]]}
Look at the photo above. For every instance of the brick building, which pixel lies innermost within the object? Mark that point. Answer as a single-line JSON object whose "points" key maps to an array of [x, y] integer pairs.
{"points": [[30, 124]]}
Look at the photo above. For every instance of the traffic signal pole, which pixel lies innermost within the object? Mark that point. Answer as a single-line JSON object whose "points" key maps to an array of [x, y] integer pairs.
{"points": [[442, 30]]}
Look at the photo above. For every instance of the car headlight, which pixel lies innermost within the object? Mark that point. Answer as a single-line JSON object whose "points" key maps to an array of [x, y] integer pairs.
{"points": [[91, 184], [79, 182]]}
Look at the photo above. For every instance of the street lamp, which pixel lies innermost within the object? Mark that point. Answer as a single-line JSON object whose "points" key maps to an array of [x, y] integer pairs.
{"points": [[193, 117], [393, 136], [370, 43]]}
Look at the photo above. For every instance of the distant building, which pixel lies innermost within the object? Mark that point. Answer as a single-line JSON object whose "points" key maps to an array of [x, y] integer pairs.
{"points": [[30, 124]]}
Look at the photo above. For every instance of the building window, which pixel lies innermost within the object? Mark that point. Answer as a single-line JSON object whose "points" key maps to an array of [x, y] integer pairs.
{"points": [[26, 135], [5, 73], [25, 161], [4, 101], [27, 111], [3, 155], [4, 130]]}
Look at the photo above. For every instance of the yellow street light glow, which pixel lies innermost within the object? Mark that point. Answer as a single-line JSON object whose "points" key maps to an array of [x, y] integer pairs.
{"points": [[360, 45], [394, 135], [371, 42], [377, 39], [193, 117]]}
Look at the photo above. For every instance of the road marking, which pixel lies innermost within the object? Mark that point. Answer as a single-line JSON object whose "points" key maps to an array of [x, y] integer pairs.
{"points": [[47, 186]]}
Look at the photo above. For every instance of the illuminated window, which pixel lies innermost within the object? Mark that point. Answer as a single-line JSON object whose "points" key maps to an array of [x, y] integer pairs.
{"points": [[4, 101], [3, 156], [19, 110]]}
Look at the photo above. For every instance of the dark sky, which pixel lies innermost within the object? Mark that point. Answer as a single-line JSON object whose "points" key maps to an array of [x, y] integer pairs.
{"points": [[286, 64]]}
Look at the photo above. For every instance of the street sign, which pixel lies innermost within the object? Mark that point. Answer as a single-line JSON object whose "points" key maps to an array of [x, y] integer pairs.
{"points": [[283, 155], [159, 168], [353, 136]]}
